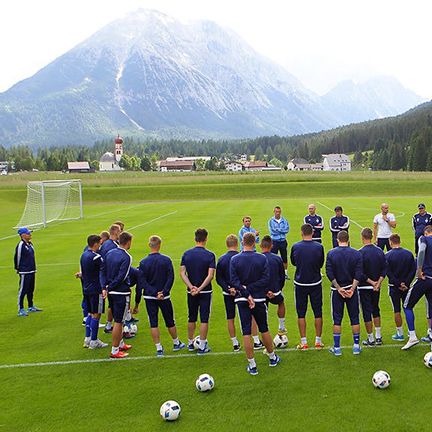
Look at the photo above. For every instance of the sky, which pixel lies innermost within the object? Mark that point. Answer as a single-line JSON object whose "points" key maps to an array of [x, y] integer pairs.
{"points": [[321, 42]]}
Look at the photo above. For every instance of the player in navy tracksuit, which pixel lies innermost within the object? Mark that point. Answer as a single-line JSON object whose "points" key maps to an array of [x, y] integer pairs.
{"points": [[197, 269], [155, 280], [115, 278], [401, 268], [223, 280], [277, 281], [316, 221], [25, 266], [344, 270], [90, 264], [422, 286], [419, 222], [308, 258], [249, 275], [339, 222], [111, 243], [373, 274]]}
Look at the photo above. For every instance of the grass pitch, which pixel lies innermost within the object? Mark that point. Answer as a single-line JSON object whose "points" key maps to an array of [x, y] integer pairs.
{"points": [[309, 390]]}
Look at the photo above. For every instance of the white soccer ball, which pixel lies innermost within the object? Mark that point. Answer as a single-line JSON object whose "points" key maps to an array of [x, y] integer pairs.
{"points": [[280, 341], [133, 328], [427, 359], [126, 329], [381, 379], [204, 382], [170, 410], [196, 342]]}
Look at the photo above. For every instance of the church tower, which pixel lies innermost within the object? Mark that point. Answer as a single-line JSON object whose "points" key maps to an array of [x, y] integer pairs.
{"points": [[118, 151]]}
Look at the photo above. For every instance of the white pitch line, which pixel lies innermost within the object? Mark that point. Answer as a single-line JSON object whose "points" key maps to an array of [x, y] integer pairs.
{"points": [[152, 220], [116, 211], [169, 356], [351, 220]]}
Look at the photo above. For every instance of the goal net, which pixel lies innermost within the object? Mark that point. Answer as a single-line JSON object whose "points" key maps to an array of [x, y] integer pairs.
{"points": [[52, 200]]}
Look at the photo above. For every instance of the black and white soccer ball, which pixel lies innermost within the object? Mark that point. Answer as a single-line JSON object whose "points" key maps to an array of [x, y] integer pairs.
{"points": [[170, 410], [204, 383], [196, 342], [427, 359], [280, 341], [381, 379]]}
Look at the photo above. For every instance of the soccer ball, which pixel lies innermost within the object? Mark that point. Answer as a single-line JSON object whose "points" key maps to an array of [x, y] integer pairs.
{"points": [[170, 410], [280, 341], [427, 359], [205, 382], [381, 379], [196, 342], [133, 328], [126, 329]]}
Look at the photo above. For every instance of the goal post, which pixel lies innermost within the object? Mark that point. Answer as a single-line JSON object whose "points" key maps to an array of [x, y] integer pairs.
{"points": [[52, 200]]}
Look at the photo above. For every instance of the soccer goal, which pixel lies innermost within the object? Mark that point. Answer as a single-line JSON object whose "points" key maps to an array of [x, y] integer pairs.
{"points": [[52, 200]]}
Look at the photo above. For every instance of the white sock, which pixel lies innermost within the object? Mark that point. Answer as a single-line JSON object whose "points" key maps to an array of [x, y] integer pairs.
{"points": [[378, 332], [202, 343], [303, 341], [286, 271], [370, 337], [190, 341], [272, 355], [399, 331], [256, 339], [158, 347], [318, 339], [128, 315], [108, 325], [87, 339], [114, 350], [234, 341], [176, 341], [430, 332], [121, 344], [412, 334], [252, 363], [281, 323]]}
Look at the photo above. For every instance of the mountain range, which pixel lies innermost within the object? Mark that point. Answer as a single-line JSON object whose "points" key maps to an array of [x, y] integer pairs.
{"points": [[151, 75]]}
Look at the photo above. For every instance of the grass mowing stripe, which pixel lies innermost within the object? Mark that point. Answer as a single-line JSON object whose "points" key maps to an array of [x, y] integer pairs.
{"points": [[351, 220], [170, 356], [152, 220]]}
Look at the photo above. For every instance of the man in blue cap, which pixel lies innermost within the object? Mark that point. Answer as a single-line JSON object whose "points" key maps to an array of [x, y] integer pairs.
{"points": [[25, 266]]}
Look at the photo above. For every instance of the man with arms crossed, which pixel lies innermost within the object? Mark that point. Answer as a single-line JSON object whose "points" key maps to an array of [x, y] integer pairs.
{"points": [[308, 258], [316, 221], [384, 222], [197, 269], [247, 228], [344, 270], [279, 228], [249, 276], [339, 222]]}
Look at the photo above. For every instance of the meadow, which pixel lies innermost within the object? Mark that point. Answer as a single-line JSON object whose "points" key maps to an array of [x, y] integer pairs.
{"points": [[50, 383]]}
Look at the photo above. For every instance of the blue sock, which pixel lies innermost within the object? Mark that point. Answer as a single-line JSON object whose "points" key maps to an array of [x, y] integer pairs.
{"points": [[409, 316], [356, 338], [87, 326], [94, 327], [336, 338]]}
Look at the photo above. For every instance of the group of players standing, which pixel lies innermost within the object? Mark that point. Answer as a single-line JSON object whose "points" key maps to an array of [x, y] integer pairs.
{"points": [[252, 280]]}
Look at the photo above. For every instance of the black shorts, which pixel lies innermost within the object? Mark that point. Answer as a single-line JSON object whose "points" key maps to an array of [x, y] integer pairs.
{"points": [[314, 293], [383, 243], [276, 300], [119, 305], [259, 312], [369, 302], [280, 246], [201, 303], [229, 306], [95, 303], [352, 304], [417, 291], [165, 307], [397, 298]]}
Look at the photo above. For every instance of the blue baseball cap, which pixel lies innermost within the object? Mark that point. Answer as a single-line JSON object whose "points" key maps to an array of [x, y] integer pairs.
{"points": [[24, 230]]}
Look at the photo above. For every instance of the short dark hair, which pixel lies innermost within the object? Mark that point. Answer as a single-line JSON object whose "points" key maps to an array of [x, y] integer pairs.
{"points": [[249, 239], [307, 229], [266, 242], [338, 208], [428, 229], [125, 238], [366, 233], [93, 239], [395, 239], [277, 207], [105, 235], [343, 236], [201, 235], [246, 217]]}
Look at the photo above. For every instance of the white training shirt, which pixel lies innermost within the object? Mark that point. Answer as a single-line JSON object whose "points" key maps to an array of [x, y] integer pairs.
{"points": [[384, 229]]}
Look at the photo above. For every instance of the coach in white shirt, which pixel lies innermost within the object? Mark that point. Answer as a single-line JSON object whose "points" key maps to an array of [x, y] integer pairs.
{"points": [[384, 222]]}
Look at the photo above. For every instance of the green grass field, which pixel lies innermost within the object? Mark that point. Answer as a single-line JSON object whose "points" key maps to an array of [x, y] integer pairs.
{"points": [[310, 390]]}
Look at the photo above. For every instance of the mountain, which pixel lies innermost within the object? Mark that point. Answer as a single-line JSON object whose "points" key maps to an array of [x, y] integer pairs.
{"points": [[151, 75], [379, 97]]}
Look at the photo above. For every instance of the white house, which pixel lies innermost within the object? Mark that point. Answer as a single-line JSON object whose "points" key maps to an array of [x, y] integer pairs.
{"points": [[234, 166], [255, 165], [110, 161], [297, 164], [336, 162]]}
